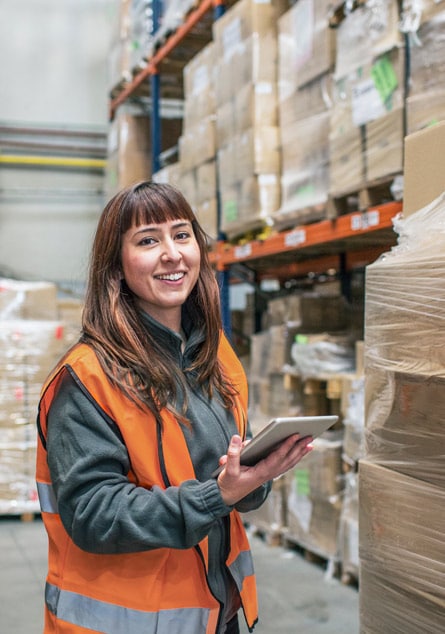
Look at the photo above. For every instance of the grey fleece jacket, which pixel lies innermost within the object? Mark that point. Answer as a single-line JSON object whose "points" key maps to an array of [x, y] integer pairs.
{"points": [[103, 512]]}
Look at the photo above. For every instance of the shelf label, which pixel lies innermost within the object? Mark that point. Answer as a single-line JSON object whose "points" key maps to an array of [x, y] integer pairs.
{"points": [[243, 251], [294, 238], [365, 220]]}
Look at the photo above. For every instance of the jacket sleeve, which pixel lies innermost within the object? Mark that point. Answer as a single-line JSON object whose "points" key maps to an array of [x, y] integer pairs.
{"points": [[100, 508]]}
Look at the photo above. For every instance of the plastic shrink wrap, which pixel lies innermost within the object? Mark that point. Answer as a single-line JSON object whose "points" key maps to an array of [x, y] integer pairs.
{"points": [[34, 333], [402, 478]]}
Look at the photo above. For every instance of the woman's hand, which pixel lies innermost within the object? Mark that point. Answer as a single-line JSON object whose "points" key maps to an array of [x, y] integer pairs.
{"points": [[236, 481]]}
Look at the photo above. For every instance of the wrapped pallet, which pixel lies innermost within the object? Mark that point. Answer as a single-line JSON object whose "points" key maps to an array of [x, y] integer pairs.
{"points": [[367, 123], [401, 477], [425, 102], [32, 339], [246, 117], [305, 63]]}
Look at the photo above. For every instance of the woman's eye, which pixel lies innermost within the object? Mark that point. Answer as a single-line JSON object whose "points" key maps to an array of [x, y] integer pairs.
{"points": [[182, 235], [147, 241]]}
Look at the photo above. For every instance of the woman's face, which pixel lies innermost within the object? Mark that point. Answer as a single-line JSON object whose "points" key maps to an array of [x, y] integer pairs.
{"points": [[160, 264]]}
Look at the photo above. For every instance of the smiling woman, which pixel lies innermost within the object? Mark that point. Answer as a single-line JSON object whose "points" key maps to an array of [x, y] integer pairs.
{"points": [[133, 422], [160, 265]]}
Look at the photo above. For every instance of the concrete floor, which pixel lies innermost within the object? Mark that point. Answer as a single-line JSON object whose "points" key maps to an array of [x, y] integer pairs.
{"points": [[295, 596]]}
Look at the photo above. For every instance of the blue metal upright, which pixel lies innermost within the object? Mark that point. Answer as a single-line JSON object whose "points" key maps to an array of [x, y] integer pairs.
{"points": [[223, 276], [156, 137]]}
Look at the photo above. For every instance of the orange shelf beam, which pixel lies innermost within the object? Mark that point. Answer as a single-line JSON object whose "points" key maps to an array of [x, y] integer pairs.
{"points": [[152, 64], [319, 233]]}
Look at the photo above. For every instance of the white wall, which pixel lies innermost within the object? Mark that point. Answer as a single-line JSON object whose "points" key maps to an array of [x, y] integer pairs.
{"points": [[54, 60], [53, 73]]}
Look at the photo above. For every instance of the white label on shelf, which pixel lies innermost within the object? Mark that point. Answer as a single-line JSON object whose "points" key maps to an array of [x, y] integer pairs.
{"points": [[243, 251], [365, 220], [373, 217], [295, 238]]}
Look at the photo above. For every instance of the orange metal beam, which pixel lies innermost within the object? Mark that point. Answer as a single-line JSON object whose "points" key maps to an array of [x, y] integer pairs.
{"points": [[347, 226], [152, 64]]}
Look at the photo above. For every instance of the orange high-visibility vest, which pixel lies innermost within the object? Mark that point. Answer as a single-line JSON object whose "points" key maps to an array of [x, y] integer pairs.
{"points": [[158, 591]]}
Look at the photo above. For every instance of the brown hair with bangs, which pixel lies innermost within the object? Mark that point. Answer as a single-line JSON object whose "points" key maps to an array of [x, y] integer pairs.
{"points": [[132, 359]]}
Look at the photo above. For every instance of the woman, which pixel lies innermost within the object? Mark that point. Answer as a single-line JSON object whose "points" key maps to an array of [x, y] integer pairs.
{"points": [[132, 423]]}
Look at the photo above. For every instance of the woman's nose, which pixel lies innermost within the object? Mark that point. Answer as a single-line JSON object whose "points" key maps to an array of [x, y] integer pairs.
{"points": [[170, 250]]}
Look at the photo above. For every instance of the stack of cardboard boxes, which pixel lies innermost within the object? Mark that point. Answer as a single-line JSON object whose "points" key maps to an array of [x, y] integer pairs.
{"points": [[366, 127], [310, 505], [32, 338], [198, 143], [425, 102], [401, 478], [305, 63], [245, 40]]}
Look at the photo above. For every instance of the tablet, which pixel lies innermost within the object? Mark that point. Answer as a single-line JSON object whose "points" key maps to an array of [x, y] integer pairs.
{"points": [[277, 430]]}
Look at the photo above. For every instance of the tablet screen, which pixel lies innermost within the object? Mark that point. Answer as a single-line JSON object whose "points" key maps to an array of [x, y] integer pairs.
{"points": [[277, 430]]}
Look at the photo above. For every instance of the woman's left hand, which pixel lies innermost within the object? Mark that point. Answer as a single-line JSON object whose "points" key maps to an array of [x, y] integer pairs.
{"points": [[236, 481]]}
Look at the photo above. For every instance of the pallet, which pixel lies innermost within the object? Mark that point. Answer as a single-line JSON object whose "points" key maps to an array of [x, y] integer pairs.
{"points": [[269, 535], [248, 231], [369, 194], [350, 578], [25, 517], [284, 221], [329, 563]]}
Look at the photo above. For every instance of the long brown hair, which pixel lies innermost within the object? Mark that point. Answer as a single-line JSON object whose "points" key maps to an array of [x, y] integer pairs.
{"points": [[132, 359]]}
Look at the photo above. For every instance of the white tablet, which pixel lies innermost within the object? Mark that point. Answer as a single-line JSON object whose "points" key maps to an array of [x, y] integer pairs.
{"points": [[277, 430]]}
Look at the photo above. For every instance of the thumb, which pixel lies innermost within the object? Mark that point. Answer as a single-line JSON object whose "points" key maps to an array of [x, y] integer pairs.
{"points": [[235, 446]]}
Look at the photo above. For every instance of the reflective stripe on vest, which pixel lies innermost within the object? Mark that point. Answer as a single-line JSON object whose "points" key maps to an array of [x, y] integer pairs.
{"points": [[115, 619], [242, 567], [47, 498]]}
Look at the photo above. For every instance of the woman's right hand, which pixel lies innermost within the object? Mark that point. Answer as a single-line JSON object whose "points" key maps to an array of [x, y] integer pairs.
{"points": [[236, 481]]}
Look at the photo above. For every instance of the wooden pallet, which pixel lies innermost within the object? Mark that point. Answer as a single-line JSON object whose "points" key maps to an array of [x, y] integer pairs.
{"points": [[271, 536], [304, 216], [327, 562], [367, 195], [349, 578]]}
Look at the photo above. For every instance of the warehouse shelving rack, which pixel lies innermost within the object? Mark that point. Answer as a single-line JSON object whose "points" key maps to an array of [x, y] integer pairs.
{"points": [[342, 243]]}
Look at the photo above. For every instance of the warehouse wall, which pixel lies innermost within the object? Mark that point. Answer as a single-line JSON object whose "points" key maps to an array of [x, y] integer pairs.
{"points": [[54, 60], [53, 77]]}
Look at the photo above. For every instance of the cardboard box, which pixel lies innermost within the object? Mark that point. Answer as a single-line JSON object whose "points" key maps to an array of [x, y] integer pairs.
{"points": [[306, 101], [226, 165], [305, 165], [402, 564], [404, 423], [260, 196], [170, 174], [384, 145], [365, 33], [306, 44], [257, 152], [347, 163], [199, 72], [255, 105], [27, 300], [198, 144], [225, 123], [424, 110], [207, 214], [206, 181], [423, 167], [242, 20], [427, 62]]}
